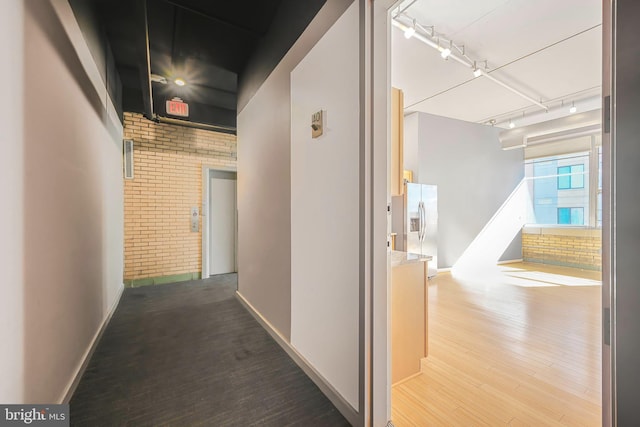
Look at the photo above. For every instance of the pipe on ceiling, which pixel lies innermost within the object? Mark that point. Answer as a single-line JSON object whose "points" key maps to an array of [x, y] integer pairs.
{"points": [[588, 121], [204, 126]]}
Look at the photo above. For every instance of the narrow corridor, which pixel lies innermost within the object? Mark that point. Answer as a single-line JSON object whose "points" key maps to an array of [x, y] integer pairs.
{"points": [[189, 354]]}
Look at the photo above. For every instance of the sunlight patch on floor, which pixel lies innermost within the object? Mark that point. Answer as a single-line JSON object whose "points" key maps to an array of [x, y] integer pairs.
{"points": [[509, 275]]}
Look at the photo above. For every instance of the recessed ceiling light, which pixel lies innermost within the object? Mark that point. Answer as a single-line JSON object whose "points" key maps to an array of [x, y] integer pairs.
{"points": [[180, 82]]}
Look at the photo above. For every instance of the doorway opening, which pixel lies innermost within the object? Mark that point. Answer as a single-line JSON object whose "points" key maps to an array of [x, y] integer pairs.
{"points": [[220, 222], [501, 112]]}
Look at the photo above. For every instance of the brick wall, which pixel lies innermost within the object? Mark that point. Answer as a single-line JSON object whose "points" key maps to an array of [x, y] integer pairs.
{"points": [[581, 248], [159, 245]]}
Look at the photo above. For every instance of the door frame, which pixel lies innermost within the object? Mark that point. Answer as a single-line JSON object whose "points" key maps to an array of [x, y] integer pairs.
{"points": [[379, 82], [380, 305], [205, 270]]}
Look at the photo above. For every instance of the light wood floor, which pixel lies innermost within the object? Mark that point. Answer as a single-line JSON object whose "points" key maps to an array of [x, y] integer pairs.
{"points": [[520, 346]]}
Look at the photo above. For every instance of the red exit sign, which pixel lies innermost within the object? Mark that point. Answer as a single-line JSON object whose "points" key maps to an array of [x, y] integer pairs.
{"points": [[176, 107]]}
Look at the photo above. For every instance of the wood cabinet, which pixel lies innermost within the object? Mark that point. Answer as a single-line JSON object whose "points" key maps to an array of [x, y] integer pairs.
{"points": [[409, 295], [397, 138]]}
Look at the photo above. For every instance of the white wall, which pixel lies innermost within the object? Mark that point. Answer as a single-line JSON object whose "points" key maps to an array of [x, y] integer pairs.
{"points": [[325, 207], [11, 183], [264, 198], [410, 148], [264, 183], [70, 200], [474, 177]]}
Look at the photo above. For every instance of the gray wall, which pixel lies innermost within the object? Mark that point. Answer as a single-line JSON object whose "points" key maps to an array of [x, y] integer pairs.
{"points": [[11, 188], [474, 177], [264, 182], [626, 211], [66, 184], [410, 149]]}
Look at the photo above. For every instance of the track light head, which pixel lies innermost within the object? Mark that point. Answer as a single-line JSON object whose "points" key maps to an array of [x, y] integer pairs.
{"points": [[573, 108], [477, 72], [410, 31], [445, 53], [511, 125]]}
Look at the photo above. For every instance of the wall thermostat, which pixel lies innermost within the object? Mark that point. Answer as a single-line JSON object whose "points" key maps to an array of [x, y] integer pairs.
{"points": [[316, 124]]}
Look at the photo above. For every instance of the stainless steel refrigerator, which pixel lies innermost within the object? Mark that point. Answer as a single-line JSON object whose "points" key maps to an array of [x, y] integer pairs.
{"points": [[414, 219]]}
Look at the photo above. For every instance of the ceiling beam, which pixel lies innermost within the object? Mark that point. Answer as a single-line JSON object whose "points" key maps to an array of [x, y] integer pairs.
{"points": [[144, 61], [177, 61]]}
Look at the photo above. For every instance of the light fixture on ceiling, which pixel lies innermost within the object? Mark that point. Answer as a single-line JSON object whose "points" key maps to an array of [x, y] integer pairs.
{"points": [[410, 31], [477, 71], [573, 108], [430, 37], [511, 124], [158, 79], [557, 108], [180, 82]]}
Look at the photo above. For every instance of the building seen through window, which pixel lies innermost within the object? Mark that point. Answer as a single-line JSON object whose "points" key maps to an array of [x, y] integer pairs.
{"points": [[566, 188]]}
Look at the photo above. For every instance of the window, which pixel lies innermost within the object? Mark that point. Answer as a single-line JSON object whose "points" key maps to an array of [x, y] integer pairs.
{"points": [[571, 177], [571, 216], [565, 187]]}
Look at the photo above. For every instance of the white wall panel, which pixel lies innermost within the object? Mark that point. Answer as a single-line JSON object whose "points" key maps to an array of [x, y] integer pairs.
{"points": [[325, 207]]}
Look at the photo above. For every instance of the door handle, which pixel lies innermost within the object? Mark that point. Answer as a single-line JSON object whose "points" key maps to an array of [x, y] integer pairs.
{"points": [[424, 222]]}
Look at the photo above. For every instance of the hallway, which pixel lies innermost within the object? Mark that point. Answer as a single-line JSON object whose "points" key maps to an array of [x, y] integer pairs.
{"points": [[189, 354]]}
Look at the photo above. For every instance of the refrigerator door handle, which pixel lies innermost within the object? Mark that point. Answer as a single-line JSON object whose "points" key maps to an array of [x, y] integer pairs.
{"points": [[424, 222], [421, 213]]}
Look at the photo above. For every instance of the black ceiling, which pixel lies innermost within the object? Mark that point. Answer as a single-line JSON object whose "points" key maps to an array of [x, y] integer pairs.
{"points": [[206, 43]]}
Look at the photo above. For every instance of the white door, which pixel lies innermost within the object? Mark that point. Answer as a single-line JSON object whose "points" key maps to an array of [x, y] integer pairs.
{"points": [[222, 222]]}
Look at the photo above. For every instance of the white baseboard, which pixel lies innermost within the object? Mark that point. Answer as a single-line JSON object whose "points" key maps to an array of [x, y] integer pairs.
{"points": [[332, 394], [510, 261], [73, 384]]}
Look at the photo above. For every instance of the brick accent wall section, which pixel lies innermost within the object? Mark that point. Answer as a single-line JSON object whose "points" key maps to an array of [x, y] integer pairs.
{"points": [[580, 248], [159, 245]]}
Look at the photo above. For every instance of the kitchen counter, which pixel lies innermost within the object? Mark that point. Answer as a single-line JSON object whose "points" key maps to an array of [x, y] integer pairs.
{"points": [[409, 303], [401, 258]]}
